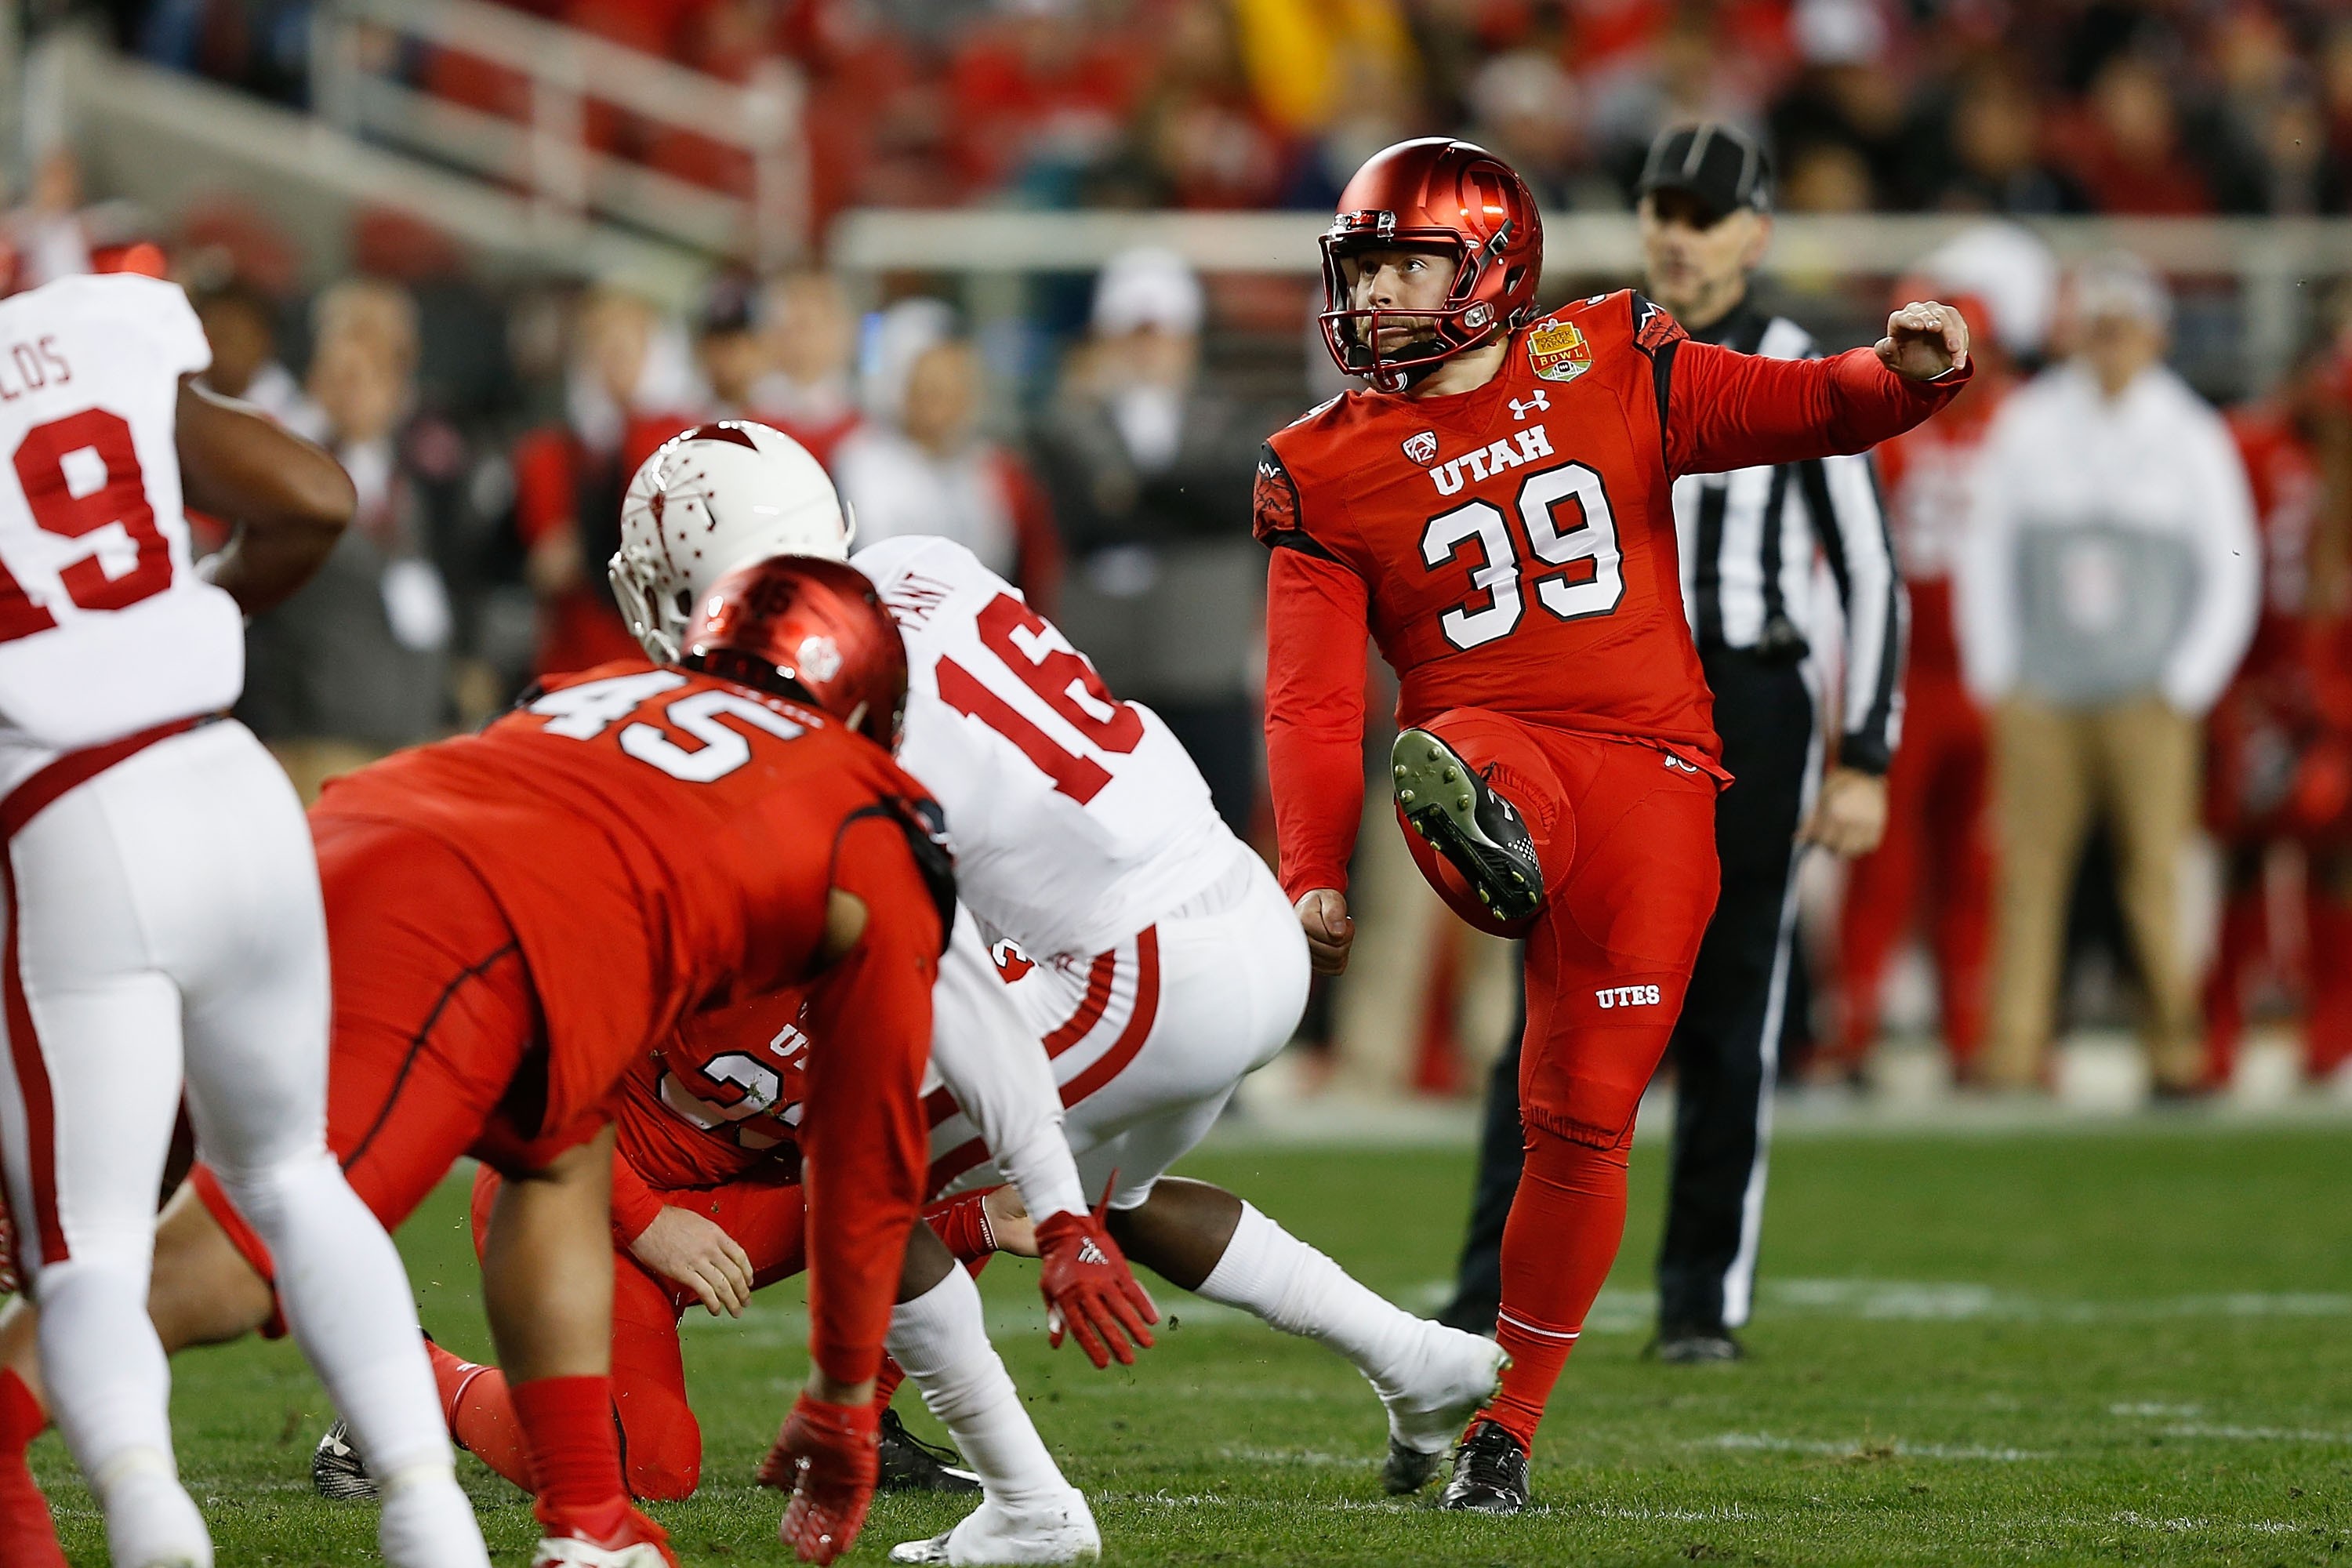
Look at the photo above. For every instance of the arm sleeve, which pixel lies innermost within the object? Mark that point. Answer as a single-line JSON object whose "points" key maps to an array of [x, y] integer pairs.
{"points": [[1316, 616], [1842, 497], [635, 1204], [1984, 575], [862, 1140], [1726, 410], [2228, 575], [998, 1074]]}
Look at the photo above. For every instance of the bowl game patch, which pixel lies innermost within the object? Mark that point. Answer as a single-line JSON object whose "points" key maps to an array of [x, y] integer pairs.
{"points": [[1558, 351]]}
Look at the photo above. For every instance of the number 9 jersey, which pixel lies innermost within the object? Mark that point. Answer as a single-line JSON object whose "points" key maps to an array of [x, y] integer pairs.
{"points": [[1076, 819], [105, 628]]}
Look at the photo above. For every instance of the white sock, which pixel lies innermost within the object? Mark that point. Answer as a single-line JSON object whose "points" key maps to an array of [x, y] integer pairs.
{"points": [[347, 1300], [428, 1522], [1267, 1272], [941, 1338], [110, 1388], [151, 1521]]}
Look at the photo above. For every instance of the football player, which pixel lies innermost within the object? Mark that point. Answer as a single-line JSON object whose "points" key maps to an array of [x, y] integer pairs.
{"points": [[1495, 510], [163, 919], [516, 916], [1149, 950]]}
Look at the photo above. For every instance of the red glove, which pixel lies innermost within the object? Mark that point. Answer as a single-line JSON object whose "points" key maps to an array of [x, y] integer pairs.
{"points": [[1088, 1289], [829, 1456]]}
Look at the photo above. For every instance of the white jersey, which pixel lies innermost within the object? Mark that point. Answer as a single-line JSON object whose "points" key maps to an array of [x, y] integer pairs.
{"points": [[1076, 819], [105, 629]]}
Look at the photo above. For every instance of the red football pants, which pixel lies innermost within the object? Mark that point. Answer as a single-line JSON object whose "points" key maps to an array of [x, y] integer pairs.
{"points": [[2247, 945], [438, 1046], [661, 1442], [1625, 835], [1935, 868]]}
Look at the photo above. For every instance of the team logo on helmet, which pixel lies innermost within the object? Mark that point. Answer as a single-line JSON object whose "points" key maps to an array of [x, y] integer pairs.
{"points": [[819, 658], [1422, 447], [1558, 351]]}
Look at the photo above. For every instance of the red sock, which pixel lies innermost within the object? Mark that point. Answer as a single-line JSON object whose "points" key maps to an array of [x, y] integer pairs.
{"points": [[481, 1414], [1557, 1244], [28, 1539], [575, 1451]]}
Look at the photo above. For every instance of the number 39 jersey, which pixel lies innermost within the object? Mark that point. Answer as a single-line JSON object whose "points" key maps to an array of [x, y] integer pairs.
{"points": [[105, 629], [1516, 539], [1076, 819]]}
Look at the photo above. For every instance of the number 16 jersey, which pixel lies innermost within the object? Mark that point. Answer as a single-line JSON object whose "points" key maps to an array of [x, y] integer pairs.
{"points": [[1076, 819]]}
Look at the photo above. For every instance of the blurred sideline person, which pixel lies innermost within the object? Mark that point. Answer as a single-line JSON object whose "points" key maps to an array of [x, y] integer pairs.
{"points": [[1934, 869], [2279, 744], [810, 335], [356, 663], [569, 477], [1559, 767], [921, 463], [2107, 589], [1748, 543], [1150, 472], [165, 926]]}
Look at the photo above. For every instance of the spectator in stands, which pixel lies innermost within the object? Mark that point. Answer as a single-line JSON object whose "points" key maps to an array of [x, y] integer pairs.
{"points": [[2129, 152], [1041, 96], [1995, 163], [356, 664], [920, 465], [1528, 110], [1841, 126], [240, 323], [569, 479], [46, 237], [810, 335], [1150, 472], [2107, 592], [729, 350]]}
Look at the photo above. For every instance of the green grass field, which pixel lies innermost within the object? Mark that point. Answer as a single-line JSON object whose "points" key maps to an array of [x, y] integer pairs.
{"points": [[2128, 1345]]}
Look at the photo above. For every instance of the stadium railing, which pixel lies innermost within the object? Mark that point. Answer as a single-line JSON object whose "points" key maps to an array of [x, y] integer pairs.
{"points": [[361, 50]]}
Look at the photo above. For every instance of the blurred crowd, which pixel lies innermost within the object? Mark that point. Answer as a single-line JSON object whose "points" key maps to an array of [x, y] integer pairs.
{"points": [[2057, 106]]}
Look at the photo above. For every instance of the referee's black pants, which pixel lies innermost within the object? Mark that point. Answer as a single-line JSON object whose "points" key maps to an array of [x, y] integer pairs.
{"points": [[1726, 1047]]}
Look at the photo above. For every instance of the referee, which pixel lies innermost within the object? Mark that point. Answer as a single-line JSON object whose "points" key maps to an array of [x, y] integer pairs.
{"points": [[1750, 543]]}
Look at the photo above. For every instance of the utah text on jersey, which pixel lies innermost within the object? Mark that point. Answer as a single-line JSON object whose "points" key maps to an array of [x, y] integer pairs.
{"points": [[1627, 997]]}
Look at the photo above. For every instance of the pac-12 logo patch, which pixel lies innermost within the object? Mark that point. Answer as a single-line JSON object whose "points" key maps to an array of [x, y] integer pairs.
{"points": [[1422, 447], [1558, 351]]}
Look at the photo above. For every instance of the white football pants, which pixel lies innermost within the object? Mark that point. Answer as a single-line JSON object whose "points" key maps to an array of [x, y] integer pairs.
{"points": [[163, 917], [1149, 1040]]}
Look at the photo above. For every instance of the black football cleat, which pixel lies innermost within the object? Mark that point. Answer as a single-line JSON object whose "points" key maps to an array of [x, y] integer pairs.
{"points": [[1490, 1473], [911, 1465], [1449, 803], [337, 1471], [1695, 1345]]}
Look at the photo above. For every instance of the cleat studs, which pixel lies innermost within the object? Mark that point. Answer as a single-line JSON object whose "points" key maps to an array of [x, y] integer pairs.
{"points": [[1400, 770], [1452, 773], [1464, 803], [1404, 795]]}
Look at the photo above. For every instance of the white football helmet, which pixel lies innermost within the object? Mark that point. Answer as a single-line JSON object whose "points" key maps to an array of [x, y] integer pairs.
{"points": [[712, 498]]}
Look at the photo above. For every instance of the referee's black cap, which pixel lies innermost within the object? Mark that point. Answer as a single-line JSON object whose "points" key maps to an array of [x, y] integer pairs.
{"points": [[1722, 166]]}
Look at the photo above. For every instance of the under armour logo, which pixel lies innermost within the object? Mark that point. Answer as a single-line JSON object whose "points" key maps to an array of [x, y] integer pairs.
{"points": [[1533, 403], [1089, 1253]]}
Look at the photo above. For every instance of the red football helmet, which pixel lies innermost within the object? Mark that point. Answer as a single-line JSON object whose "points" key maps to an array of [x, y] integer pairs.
{"points": [[810, 629], [1439, 195]]}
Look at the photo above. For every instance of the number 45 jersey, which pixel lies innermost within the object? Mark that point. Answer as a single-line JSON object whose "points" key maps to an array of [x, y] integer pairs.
{"points": [[1512, 548], [1076, 819], [105, 628]]}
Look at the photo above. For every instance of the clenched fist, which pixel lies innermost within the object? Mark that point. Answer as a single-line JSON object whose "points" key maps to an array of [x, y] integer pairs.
{"points": [[1924, 340]]}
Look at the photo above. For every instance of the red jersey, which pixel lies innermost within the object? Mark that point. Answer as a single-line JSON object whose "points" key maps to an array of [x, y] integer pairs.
{"points": [[1512, 548], [663, 844], [2282, 471]]}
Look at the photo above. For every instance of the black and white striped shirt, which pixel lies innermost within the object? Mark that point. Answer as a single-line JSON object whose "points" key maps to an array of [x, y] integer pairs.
{"points": [[1749, 542]]}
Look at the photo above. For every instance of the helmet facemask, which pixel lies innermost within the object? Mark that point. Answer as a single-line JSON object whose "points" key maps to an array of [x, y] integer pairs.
{"points": [[1462, 322]]}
